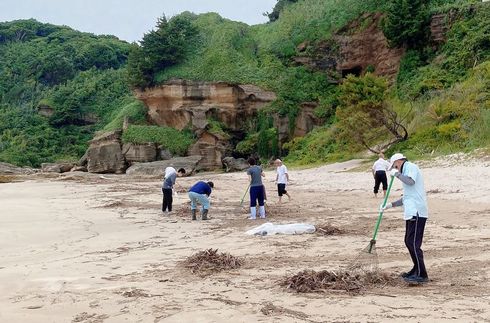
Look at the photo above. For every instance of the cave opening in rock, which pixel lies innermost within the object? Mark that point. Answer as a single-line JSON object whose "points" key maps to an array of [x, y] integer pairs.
{"points": [[356, 71]]}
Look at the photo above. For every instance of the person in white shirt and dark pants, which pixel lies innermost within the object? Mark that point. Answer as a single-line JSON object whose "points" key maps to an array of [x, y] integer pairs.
{"points": [[379, 173], [282, 179]]}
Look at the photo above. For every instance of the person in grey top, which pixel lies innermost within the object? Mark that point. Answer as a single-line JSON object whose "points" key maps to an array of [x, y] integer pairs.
{"points": [[257, 191], [167, 187]]}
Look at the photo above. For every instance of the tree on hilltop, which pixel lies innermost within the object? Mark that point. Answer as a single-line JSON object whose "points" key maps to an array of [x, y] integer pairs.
{"points": [[364, 118], [406, 23], [160, 48]]}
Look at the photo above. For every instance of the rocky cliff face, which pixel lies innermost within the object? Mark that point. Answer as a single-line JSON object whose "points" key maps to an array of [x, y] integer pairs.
{"points": [[440, 25], [357, 47], [304, 122], [181, 103], [361, 45], [105, 154]]}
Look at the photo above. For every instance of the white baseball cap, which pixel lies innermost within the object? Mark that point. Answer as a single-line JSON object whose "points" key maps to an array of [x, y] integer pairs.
{"points": [[396, 157]]}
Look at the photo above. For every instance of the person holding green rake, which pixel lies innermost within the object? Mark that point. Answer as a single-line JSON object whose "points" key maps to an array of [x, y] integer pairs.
{"points": [[414, 202], [257, 190]]}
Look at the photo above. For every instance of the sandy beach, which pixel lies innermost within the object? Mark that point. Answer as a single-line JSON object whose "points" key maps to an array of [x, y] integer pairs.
{"points": [[92, 248]]}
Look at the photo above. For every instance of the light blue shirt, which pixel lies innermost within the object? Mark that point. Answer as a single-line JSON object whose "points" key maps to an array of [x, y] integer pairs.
{"points": [[414, 197]]}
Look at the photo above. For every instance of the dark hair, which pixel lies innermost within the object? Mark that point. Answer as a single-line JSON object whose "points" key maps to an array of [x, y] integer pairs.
{"points": [[211, 184], [181, 170], [251, 161]]}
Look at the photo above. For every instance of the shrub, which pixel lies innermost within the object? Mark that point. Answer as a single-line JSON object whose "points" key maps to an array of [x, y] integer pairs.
{"points": [[248, 145], [218, 128], [318, 146], [406, 23], [134, 110], [454, 119], [178, 142]]}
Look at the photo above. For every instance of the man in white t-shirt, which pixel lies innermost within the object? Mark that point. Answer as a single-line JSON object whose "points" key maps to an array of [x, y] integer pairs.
{"points": [[379, 173], [282, 179]]}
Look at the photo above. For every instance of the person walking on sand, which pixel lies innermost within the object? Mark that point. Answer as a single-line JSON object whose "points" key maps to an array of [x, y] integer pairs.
{"points": [[257, 190], [379, 173], [199, 193], [416, 212], [167, 187], [282, 179]]}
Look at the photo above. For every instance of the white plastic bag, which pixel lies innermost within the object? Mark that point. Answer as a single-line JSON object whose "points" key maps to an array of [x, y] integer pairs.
{"points": [[271, 229]]}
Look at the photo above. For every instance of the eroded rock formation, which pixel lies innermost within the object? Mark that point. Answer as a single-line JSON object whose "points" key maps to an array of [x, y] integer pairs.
{"points": [[157, 168], [56, 167], [305, 121], [355, 48], [180, 104], [104, 154], [9, 169], [139, 153]]}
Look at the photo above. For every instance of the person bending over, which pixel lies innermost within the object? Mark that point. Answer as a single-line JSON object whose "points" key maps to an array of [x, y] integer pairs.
{"points": [[199, 194]]}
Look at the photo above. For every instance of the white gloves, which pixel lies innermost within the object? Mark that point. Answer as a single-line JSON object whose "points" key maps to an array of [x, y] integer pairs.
{"points": [[394, 172], [384, 208]]}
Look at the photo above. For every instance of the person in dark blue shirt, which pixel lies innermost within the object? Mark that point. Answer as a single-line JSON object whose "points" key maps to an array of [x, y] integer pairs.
{"points": [[199, 193]]}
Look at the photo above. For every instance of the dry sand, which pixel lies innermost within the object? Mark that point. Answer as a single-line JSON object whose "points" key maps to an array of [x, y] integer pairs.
{"points": [[90, 248]]}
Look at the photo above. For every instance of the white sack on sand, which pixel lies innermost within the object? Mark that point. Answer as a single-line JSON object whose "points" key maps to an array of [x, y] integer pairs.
{"points": [[271, 229]]}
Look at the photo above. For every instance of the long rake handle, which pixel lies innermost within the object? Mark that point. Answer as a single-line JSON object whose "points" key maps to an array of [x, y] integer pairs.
{"points": [[243, 197], [380, 216]]}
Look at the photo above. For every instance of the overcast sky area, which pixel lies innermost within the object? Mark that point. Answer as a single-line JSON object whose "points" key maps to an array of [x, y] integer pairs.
{"points": [[127, 19]]}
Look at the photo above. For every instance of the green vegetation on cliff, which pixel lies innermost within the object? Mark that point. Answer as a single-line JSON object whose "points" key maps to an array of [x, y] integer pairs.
{"points": [[78, 76], [177, 142], [440, 94], [222, 50]]}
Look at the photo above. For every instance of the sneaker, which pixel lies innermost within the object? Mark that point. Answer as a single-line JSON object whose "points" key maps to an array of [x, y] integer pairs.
{"points": [[407, 274], [413, 279], [251, 218]]}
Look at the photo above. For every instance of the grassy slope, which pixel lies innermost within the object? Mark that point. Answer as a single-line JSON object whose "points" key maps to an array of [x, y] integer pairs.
{"points": [[78, 74], [235, 52]]}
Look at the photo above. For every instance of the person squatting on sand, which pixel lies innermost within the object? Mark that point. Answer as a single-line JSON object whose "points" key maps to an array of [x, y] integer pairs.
{"points": [[414, 202], [379, 173], [256, 189], [282, 179], [167, 187], [199, 193]]}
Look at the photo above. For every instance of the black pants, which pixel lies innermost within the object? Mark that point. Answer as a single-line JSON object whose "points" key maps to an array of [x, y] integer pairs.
{"points": [[380, 177], [414, 234], [167, 199], [281, 189]]}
